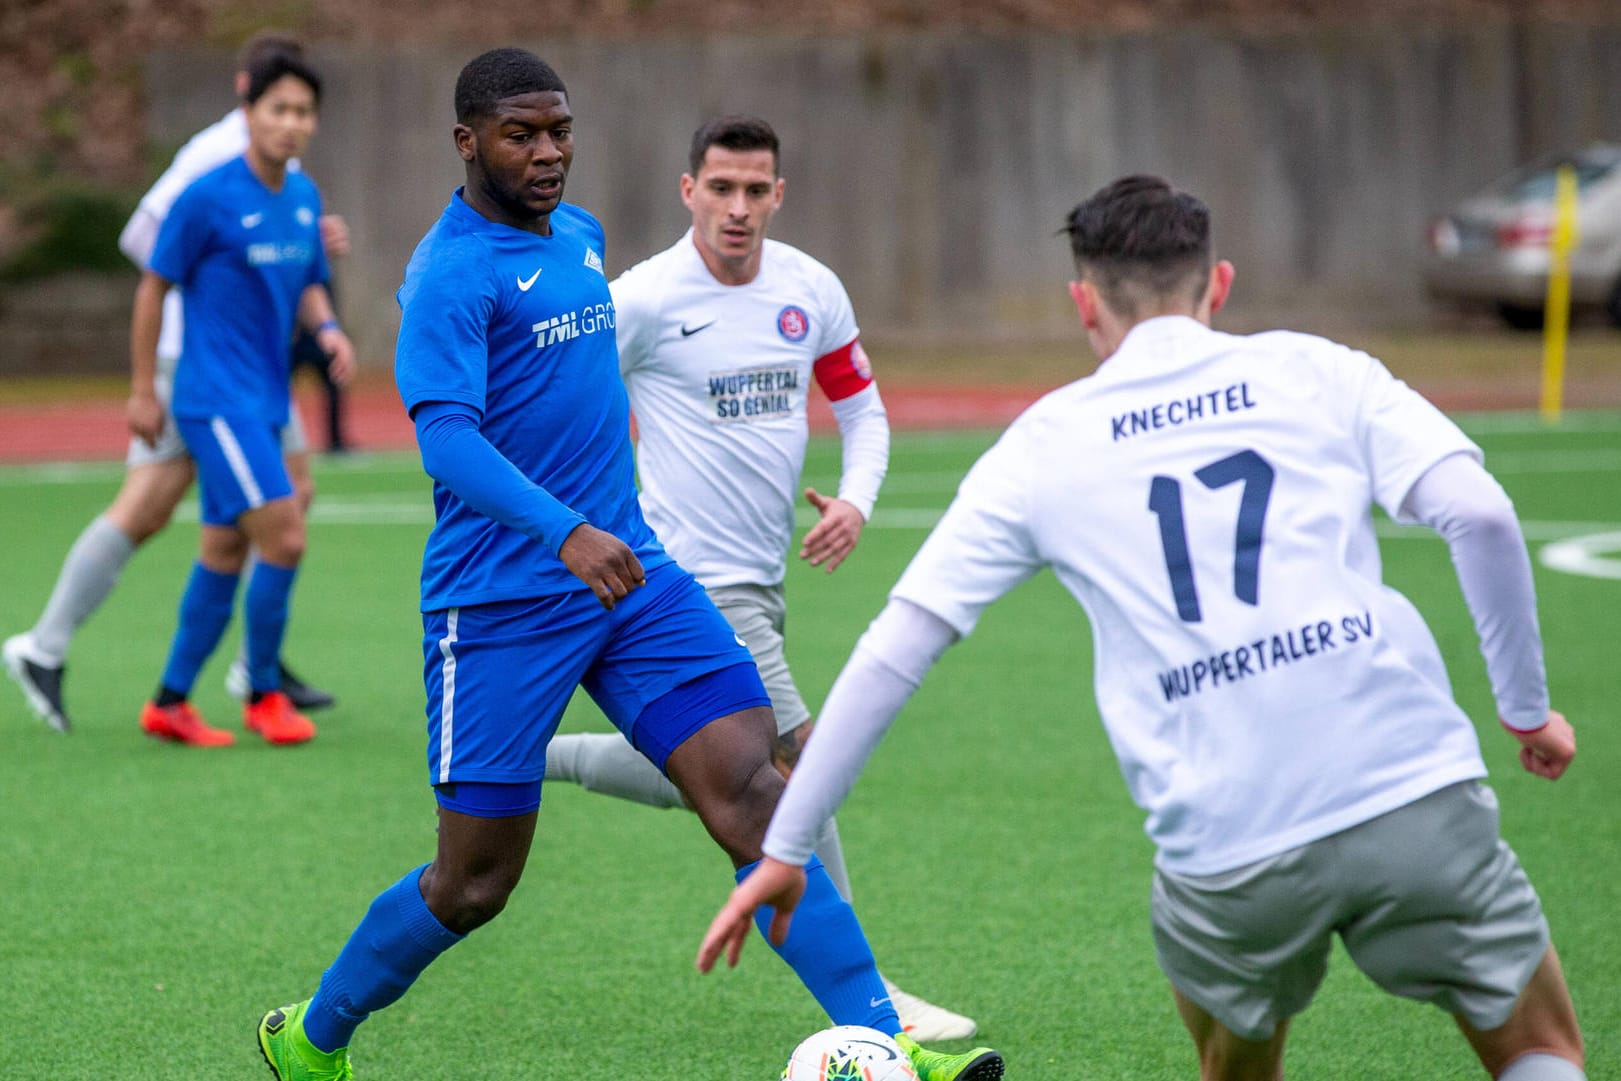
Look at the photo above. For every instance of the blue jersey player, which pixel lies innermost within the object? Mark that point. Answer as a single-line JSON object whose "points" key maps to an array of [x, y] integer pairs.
{"points": [[243, 243], [540, 575]]}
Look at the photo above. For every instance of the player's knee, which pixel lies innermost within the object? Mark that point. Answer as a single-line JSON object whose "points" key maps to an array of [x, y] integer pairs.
{"points": [[738, 820], [140, 519], [464, 904], [285, 545], [304, 494]]}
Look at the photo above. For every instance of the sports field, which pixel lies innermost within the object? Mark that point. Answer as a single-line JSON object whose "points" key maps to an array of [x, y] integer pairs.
{"points": [[157, 899]]}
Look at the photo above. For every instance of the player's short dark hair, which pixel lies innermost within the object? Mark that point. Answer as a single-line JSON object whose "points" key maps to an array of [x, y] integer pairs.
{"points": [[276, 65], [494, 76], [263, 45], [1139, 237], [734, 132]]}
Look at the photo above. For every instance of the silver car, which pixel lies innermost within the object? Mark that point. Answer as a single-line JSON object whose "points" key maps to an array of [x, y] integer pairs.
{"points": [[1495, 247]]}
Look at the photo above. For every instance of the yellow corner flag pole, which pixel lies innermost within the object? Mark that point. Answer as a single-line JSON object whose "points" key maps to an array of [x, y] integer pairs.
{"points": [[1556, 320]]}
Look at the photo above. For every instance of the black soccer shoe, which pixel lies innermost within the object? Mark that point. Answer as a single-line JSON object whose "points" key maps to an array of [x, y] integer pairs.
{"points": [[301, 694], [41, 684]]}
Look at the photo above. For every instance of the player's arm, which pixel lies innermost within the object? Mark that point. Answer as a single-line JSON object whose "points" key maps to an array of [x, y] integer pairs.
{"points": [[1466, 505], [317, 315], [143, 411], [845, 376], [888, 664], [457, 455]]}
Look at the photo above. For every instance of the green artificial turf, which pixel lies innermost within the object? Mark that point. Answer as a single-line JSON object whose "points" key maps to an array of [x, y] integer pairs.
{"points": [[156, 899]]}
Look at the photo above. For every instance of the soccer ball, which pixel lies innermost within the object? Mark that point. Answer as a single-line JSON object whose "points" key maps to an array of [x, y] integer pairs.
{"points": [[849, 1053]]}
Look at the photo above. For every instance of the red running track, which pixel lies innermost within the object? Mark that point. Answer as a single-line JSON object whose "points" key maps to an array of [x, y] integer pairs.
{"points": [[89, 430]]}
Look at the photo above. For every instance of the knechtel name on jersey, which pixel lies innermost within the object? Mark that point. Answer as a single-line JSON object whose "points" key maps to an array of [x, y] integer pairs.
{"points": [[764, 392], [1181, 411], [570, 325], [1266, 654]]}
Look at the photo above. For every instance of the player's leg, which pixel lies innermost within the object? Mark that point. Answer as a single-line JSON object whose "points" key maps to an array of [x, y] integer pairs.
{"points": [[1245, 950], [1541, 1040], [205, 610], [153, 485], [1226, 1056], [1468, 934], [276, 532], [296, 456], [244, 488], [497, 677], [759, 616], [475, 868], [713, 733]]}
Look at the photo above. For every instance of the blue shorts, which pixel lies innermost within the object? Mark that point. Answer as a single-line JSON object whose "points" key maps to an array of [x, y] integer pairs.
{"points": [[239, 465], [498, 676]]}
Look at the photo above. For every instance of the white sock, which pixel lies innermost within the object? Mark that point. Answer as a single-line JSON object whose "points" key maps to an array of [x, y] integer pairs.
{"points": [[241, 660], [831, 853], [1542, 1067], [88, 575], [607, 763]]}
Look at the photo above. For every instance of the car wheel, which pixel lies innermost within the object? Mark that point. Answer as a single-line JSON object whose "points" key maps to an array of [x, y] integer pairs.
{"points": [[1520, 316]]}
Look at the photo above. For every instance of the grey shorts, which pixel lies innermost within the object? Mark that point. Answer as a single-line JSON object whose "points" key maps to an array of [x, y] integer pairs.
{"points": [[758, 614], [1430, 903], [170, 446]]}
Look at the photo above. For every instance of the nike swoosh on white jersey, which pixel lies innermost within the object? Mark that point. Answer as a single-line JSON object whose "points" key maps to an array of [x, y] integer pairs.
{"points": [[525, 283], [250, 220]]}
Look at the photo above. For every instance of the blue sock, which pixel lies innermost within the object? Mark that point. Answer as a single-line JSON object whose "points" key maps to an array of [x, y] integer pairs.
{"points": [[829, 953], [396, 940], [264, 613], [205, 609]]}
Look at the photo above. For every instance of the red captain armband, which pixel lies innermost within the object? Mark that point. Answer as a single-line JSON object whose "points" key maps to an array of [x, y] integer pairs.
{"points": [[843, 372]]}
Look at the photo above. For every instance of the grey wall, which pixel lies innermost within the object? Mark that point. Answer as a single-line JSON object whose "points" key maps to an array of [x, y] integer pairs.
{"points": [[931, 171]]}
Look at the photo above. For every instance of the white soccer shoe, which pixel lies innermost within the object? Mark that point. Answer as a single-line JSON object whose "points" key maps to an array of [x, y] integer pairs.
{"points": [[924, 1021]]}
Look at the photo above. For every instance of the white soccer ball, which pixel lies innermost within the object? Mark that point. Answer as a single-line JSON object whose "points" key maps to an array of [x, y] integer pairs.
{"points": [[849, 1053]]}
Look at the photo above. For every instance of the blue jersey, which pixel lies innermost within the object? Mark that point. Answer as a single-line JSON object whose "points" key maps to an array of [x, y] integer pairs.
{"points": [[520, 329], [243, 256]]}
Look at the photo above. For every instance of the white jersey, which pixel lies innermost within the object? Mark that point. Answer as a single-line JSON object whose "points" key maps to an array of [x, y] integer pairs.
{"points": [[718, 377], [204, 152], [1206, 498]]}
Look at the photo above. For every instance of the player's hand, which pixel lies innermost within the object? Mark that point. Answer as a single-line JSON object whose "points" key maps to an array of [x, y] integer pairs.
{"points": [[603, 562], [1547, 751], [145, 416], [337, 346], [779, 885], [334, 235], [831, 540]]}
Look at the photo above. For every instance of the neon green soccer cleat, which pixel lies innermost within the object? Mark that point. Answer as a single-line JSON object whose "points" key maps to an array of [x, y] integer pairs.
{"points": [[290, 1054], [980, 1064]]}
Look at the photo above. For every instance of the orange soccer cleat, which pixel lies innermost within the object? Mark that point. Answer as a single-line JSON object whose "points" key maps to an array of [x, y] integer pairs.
{"points": [[181, 723], [274, 718]]}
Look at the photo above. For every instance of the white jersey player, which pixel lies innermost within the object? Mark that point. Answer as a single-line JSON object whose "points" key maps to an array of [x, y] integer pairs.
{"points": [[157, 473], [1283, 718], [720, 338]]}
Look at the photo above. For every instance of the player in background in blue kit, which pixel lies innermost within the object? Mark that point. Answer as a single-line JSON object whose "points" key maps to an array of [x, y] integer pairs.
{"points": [[541, 575], [158, 473], [244, 243]]}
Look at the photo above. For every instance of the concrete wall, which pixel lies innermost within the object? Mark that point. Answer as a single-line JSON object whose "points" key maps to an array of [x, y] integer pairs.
{"points": [[931, 171]]}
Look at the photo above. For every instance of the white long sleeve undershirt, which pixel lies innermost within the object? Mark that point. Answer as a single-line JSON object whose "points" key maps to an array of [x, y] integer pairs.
{"points": [[864, 437], [1460, 500]]}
